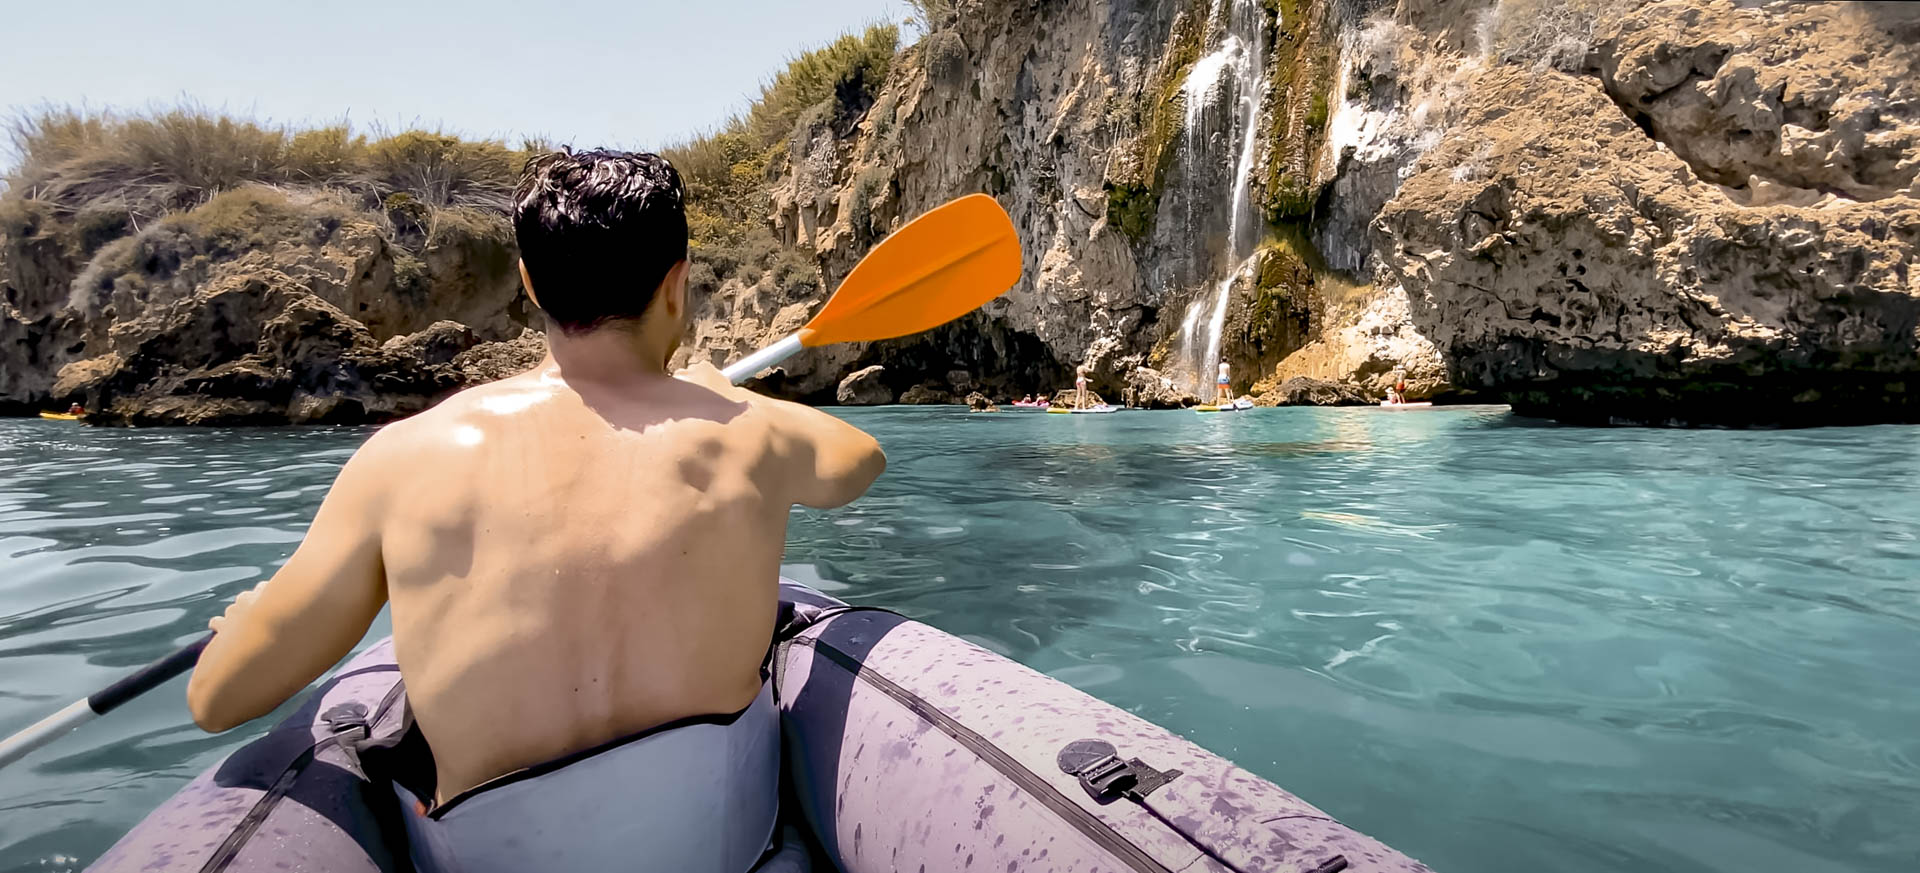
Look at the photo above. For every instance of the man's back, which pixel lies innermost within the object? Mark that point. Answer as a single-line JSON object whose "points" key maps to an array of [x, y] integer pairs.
{"points": [[573, 555], [567, 570]]}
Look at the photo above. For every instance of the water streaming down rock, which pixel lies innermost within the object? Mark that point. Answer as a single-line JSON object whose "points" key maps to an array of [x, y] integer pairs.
{"points": [[1223, 91]]}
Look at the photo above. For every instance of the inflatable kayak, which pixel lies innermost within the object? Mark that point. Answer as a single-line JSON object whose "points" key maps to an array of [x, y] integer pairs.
{"points": [[59, 416], [905, 749], [1388, 404]]}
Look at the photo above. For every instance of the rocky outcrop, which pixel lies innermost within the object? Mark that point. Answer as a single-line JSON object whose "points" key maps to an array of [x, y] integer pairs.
{"points": [[1304, 391], [1148, 388], [978, 402], [1717, 226], [258, 307], [924, 395], [1367, 340], [864, 387]]}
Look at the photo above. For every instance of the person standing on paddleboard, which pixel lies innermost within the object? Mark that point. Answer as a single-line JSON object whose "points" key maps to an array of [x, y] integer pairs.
{"points": [[1223, 387], [574, 556], [1080, 387]]}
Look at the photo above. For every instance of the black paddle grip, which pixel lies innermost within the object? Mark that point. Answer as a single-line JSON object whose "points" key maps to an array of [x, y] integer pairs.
{"points": [[143, 680]]}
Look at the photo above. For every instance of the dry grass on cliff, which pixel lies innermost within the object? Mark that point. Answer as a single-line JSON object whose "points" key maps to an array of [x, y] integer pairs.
{"points": [[146, 166]]}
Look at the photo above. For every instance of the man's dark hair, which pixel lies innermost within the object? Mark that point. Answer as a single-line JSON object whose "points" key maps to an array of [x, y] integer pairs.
{"points": [[598, 231]]}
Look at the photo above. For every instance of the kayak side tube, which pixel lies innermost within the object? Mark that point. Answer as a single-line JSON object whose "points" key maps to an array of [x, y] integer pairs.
{"points": [[291, 800], [911, 747]]}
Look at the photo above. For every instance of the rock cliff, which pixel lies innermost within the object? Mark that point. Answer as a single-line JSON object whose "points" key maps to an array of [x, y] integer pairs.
{"points": [[1712, 219], [1643, 212], [260, 303]]}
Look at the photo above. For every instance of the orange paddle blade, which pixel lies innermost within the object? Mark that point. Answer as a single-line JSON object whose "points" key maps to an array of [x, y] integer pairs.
{"points": [[939, 267]]}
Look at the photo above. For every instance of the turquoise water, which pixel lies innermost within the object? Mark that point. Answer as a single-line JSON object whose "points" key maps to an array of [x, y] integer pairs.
{"points": [[1496, 645]]}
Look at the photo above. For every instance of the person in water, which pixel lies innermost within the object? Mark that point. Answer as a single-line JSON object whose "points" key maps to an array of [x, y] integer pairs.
{"points": [[574, 555], [1223, 387]]}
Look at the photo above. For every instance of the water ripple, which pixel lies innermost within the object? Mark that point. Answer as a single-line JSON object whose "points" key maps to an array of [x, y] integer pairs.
{"points": [[1496, 645]]}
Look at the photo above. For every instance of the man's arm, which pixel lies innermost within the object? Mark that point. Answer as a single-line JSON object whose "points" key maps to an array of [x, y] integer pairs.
{"points": [[833, 461], [830, 462], [285, 632]]}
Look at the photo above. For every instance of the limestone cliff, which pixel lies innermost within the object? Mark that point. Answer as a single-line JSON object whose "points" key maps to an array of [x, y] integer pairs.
{"points": [[1603, 212], [1652, 211], [160, 292], [1713, 218], [1073, 115]]}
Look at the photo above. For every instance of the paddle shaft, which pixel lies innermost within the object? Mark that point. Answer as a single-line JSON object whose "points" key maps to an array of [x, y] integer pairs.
{"points": [[101, 702]]}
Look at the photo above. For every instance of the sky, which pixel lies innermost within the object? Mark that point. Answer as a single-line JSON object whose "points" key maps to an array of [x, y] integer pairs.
{"points": [[627, 74]]}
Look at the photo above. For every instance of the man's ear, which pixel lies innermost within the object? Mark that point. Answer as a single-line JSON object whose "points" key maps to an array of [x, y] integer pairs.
{"points": [[674, 288], [526, 281]]}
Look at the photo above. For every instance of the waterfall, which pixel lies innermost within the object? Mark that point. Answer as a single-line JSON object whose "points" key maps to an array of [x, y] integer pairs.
{"points": [[1233, 68]]}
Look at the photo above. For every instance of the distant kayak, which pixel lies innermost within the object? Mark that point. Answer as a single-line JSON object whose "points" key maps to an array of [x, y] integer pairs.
{"points": [[1388, 404], [59, 416]]}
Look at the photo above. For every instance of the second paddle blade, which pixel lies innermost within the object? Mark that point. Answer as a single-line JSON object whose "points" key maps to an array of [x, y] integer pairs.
{"points": [[939, 267]]}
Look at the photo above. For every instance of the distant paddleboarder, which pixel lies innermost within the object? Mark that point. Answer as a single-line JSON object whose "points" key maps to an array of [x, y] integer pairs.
{"points": [[1080, 387], [1222, 387]]}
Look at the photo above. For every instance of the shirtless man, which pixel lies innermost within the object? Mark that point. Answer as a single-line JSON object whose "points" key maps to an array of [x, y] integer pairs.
{"points": [[575, 554]]}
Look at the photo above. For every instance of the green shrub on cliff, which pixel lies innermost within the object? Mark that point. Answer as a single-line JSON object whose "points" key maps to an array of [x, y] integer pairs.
{"points": [[727, 172], [845, 73]]}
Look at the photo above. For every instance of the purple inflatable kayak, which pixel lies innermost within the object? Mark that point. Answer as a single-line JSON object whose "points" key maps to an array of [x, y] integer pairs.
{"points": [[907, 749]]}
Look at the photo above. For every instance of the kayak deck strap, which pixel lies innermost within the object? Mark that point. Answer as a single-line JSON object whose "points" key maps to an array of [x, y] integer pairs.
{"points": [[1071, 812], [244, 831]]}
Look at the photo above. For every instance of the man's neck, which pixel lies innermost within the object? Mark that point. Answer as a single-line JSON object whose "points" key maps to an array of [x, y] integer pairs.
{"points": [[607, 355]]}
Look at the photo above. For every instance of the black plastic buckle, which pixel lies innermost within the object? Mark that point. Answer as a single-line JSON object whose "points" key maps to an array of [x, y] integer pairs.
{"points": [[344, 719], [1108, 777]]}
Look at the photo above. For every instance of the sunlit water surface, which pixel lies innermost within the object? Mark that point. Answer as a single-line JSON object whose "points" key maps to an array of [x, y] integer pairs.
{"points": [[1496, 645]]}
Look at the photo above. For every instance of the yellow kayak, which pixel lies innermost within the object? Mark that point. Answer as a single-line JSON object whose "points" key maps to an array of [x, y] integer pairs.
{"points": [[1058, 410], [59, 416]]}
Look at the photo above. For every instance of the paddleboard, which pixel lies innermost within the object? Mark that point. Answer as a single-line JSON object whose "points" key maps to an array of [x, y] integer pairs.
{"points": [[1420, 405], [1102, 409], [1058, 410]]}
